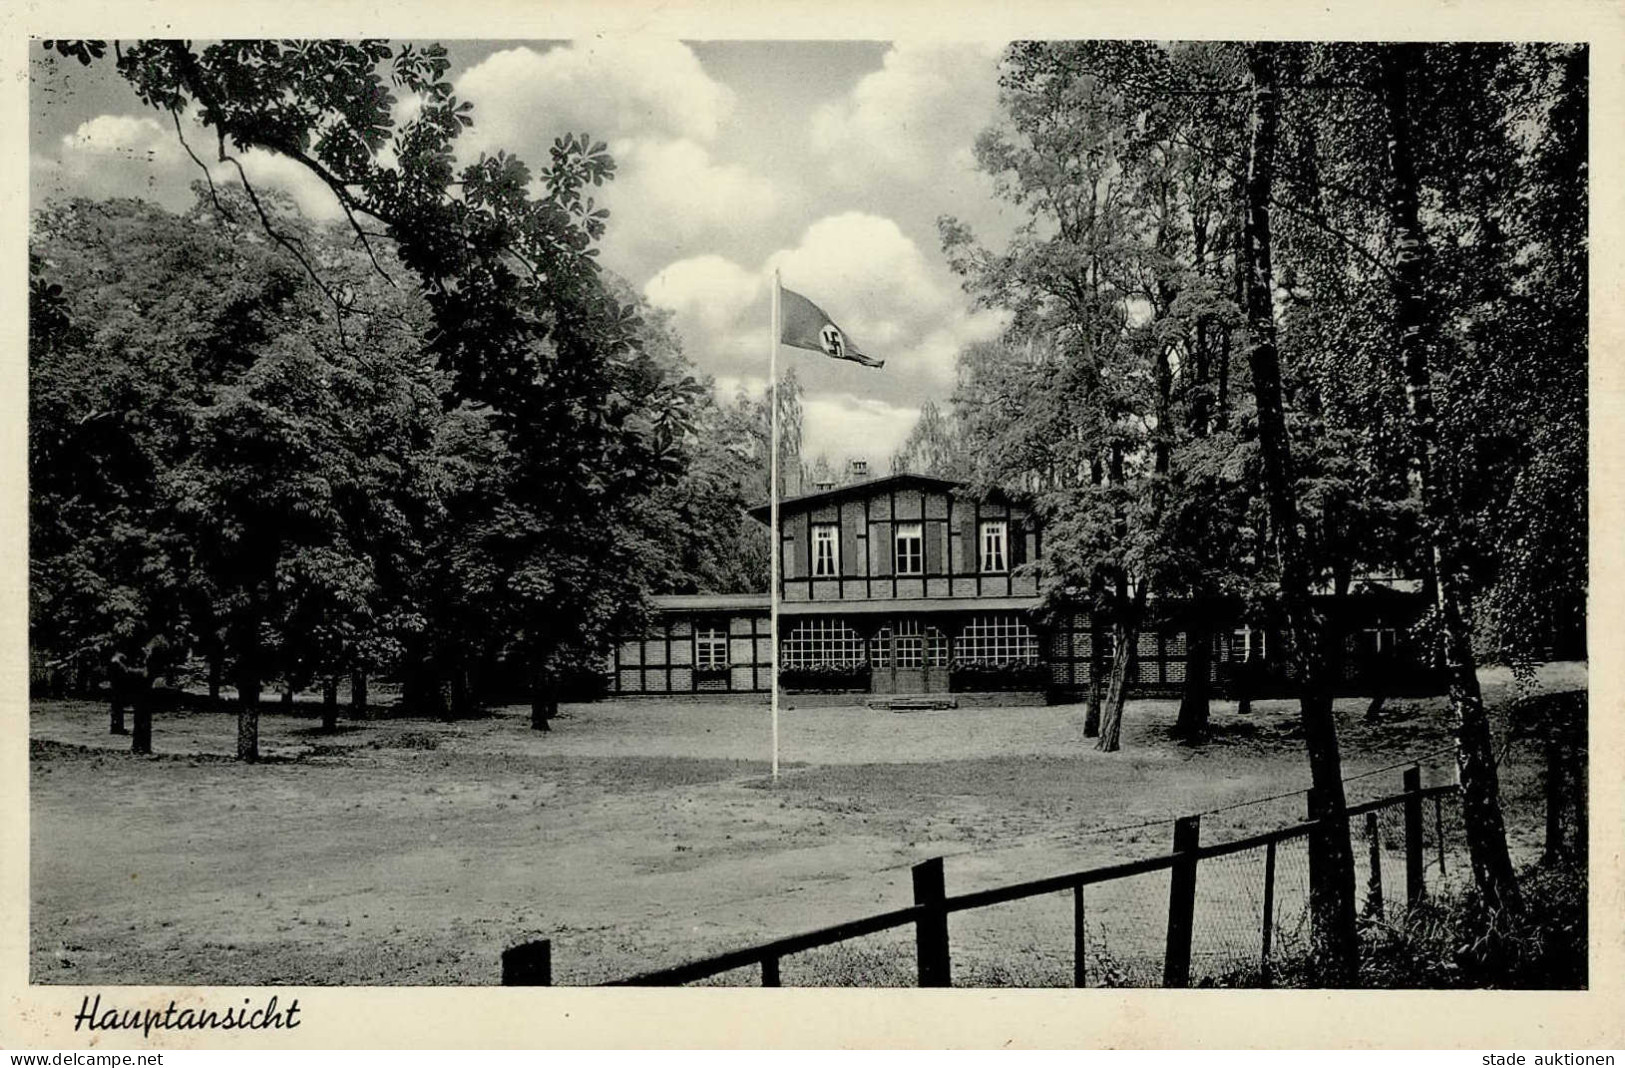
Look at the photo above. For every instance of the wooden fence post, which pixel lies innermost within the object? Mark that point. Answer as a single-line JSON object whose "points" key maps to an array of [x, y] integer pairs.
{"points": [[1414, 886], [1269, 912], [931, 929], [1176, 961], [1079, 939], [528, 964], [1373, 892]]}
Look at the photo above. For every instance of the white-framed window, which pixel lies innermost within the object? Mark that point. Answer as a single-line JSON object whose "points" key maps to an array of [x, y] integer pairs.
{"points": [[1001, 637], [1246, 644], [994, 536], [826, 548], [910, 543], [1381, 639], [920, 646], [821, 641], [710, 646]]}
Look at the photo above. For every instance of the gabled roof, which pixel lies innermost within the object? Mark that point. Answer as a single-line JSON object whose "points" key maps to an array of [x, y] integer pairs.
{"points": [[856, 489]]}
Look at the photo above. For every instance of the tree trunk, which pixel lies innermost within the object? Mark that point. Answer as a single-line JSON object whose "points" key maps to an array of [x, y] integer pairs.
{"points": [[287, 697], [1091, 717], [1337, 625], [544, 701], [1417, 322], [464, 696], [422, 687], [141, 737], [1111, 722], [1126, 628], [1333, 939], [248, 716], [330, 704], [1097, 593], [1197, 697], [358, 694], [214, 681], [118, 693]]}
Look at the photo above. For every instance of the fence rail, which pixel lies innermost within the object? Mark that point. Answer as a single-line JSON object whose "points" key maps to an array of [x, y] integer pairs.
{"points": [[531, 964]]}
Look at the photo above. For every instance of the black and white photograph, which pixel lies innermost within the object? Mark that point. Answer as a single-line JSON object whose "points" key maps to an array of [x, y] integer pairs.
{"points": [[635, 510]]}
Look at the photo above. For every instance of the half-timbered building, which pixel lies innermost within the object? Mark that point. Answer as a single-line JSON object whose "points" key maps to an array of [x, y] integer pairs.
{"points": [[909, 584]]}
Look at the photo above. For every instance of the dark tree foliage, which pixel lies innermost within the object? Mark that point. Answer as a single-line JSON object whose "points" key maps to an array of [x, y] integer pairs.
{"points": [[1400, 257], [1109, 406], [573, 434], [209, 469]]}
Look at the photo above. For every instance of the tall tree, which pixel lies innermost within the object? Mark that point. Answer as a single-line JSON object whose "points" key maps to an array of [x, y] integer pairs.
{"points": [[1118, 289], [274, 469], [1417, 323], [523, 322], [1331, 890], [933, 446]]}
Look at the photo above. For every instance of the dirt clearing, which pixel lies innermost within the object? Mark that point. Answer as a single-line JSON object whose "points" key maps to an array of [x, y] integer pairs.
{"points": [[637, 834]]}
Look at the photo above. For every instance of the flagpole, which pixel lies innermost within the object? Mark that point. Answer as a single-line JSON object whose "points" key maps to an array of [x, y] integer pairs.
{"points": [[774, 547]]}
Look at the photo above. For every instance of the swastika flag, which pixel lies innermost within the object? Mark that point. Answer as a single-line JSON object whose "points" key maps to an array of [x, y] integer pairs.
{"points": [[804, 325]]}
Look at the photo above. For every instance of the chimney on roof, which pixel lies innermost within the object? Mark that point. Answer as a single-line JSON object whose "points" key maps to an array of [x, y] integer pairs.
{"points": [[859, 469], [823, 484]]}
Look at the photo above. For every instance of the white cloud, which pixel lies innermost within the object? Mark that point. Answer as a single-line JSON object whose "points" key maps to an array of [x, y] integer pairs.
{"points": [[862, 270], [128, 155], [264, 169], [914, 118], [708, 292], [670, 197], [659, 112], [872, 278], [847, 427], [114, 156], [121, 134], [611, 87]]}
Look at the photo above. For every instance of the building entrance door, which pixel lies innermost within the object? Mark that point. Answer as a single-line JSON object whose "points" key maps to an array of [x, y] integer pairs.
{"points": [[910, 657]]}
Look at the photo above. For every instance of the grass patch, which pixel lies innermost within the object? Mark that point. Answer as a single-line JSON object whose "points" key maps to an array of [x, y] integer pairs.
{"points": [[1453, 942]]}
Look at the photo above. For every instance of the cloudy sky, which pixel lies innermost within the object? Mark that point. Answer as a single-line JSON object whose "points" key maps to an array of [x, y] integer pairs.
{"points": [[828, 160]]}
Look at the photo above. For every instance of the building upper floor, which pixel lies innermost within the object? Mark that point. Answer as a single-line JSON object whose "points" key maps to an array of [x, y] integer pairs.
{"points": [[905, 538]]}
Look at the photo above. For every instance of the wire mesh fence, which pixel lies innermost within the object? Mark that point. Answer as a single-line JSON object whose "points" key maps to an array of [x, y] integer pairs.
{"points": [[1026, 943], [1228, 911], [1227, 935], [885, 959]]}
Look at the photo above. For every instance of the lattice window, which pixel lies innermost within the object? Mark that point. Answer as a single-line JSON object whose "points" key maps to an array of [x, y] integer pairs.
{"points": [[710, 647], [994, 536], [1247, 644], [1380, 639], [880, 648], [910, 549], [919, 646], [821, 641], [826, 550], [1002, 637]]}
